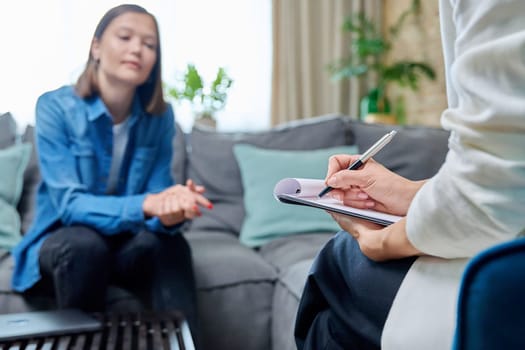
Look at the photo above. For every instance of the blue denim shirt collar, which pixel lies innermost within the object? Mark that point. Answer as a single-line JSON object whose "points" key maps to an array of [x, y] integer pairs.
{"points": [[96, 109]]}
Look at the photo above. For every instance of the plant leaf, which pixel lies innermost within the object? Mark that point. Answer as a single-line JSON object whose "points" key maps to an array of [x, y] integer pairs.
{"points": [[407, 73]]}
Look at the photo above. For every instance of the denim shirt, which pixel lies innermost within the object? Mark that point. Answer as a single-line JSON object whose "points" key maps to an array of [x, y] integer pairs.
{"points": [[74, 142]]}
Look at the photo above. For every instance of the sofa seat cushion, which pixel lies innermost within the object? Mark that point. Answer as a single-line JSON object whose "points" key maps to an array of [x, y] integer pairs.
{"points": [[287, 294], [284, 252], [212, 162], [220, 260], [294, 278], [293, 257], [234, 292]]}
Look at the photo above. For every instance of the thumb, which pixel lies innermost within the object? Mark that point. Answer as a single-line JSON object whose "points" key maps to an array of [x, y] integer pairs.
{"points": [[339, 162]]}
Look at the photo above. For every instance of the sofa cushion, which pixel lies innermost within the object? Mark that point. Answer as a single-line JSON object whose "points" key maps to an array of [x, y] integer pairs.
{"points": [[13, 161], [292, 256], [7, 130], [261, 169], [236, 317], [212, 162], [284, 252], [234, 290], [219, 261], [288, 290], [415, 152]]}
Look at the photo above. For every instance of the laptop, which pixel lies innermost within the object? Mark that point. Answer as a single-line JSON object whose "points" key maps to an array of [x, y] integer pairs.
{"points": [[46, 323]]}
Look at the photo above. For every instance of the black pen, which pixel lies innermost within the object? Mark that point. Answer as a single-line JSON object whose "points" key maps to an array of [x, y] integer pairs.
{"points": [[376, 147]]}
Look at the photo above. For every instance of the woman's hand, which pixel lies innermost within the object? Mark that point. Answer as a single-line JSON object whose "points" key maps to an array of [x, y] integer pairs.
{"points": [[371, 187], [377, 242], [176, 203]]}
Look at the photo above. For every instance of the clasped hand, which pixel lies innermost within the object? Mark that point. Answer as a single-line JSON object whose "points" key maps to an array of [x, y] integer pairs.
{"points": [[372, 187], [176, 203]]}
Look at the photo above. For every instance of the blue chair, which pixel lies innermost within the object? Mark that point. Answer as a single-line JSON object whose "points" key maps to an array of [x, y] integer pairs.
{"points": [[491, 304]]}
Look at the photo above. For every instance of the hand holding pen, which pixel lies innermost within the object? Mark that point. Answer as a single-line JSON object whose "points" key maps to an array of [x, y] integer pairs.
{"points": [[376, 147]]}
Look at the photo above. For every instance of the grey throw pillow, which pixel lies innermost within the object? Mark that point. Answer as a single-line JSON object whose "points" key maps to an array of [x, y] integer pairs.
{"points": [[212, 162]]}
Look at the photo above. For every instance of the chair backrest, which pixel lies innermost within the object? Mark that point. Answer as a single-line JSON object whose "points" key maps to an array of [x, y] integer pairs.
{"points": [[491, 304]]}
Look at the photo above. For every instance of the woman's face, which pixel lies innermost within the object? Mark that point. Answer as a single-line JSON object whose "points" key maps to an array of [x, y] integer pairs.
{"points": [[127, 50]]}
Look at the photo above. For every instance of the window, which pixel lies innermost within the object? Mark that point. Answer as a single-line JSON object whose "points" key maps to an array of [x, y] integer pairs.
{"points": [[45, 45]]}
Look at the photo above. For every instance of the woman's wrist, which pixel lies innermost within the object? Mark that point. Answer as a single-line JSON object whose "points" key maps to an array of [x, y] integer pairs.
{"points": [[410, 190], [395, 243], [148, 205]]}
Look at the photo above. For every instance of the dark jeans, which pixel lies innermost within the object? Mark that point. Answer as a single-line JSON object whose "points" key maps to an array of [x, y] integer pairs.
{"points": [[78, 264], [347, 298]]}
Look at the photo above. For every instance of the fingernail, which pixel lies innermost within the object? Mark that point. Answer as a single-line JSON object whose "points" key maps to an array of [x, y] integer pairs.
{"points": [[195, 208], [210, 206], [332, 181], [362, 195], [370, 204]]}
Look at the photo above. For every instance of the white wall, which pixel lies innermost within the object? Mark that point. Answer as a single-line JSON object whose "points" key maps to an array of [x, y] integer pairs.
{"points": [[45, 44]]}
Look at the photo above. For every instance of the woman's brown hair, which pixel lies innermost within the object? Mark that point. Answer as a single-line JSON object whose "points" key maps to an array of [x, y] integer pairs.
{"points": [[150, 92]]}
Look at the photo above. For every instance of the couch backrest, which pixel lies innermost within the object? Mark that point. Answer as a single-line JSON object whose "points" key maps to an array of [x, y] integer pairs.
{"points": [[416, 152]]}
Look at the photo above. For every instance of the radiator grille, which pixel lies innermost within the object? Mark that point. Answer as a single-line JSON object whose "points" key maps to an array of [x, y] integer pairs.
{"points": [[145, 331]]}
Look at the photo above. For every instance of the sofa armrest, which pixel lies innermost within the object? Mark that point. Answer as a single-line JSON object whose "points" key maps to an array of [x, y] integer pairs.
{"points": [[491, 305]]}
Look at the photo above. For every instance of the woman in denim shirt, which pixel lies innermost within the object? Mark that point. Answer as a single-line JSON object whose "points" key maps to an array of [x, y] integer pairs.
{"points": [[107, 208]]}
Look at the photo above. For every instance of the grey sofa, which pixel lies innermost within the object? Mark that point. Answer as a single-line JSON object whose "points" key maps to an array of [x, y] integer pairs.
{"points": [[247, 296]]}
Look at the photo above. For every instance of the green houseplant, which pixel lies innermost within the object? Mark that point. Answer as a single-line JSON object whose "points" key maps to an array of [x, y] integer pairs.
{"points": [[368, 54], [205, 100]]}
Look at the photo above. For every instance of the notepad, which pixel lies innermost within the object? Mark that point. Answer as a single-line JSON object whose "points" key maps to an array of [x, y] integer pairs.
{"points": [[305, 192]]}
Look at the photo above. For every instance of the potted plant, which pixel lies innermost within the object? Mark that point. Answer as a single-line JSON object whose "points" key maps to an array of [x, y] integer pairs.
{"points": [[205, 100], [368, 51]]}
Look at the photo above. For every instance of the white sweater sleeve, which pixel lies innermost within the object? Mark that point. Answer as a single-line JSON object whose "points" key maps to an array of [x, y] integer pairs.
{"points": [[477, 199]]}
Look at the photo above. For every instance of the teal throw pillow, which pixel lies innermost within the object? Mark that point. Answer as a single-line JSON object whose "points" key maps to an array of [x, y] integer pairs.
{"points": [[13, 161], [261, 169]]}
